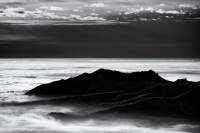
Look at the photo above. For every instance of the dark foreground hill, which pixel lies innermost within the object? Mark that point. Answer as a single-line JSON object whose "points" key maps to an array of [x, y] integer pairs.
{"points": [[128, 93]]}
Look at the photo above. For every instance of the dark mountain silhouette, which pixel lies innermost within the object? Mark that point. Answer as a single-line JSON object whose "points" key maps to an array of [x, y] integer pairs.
{"points": [[126, 93], [99, 81]]}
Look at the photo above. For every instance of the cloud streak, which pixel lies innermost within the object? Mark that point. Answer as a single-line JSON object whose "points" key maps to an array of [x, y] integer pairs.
{"points": [[97, 5], [52, 8], [161, 11]]}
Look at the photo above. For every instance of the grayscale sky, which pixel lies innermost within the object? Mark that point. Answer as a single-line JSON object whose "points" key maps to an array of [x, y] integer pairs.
{"points": [[99, 29]]}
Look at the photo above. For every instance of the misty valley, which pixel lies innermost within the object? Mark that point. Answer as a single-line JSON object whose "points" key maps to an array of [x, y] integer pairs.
{"points": [[106, 101]]}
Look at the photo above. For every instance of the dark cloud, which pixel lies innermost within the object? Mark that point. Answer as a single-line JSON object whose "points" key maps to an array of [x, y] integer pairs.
{"points": [[135, 40], [13, 4]]}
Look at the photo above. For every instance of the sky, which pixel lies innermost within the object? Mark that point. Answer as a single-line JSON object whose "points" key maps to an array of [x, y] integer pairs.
{"points": [[99, 29]]}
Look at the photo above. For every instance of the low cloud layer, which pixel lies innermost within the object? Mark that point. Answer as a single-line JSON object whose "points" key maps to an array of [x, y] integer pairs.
{"points": [[32, 122]]}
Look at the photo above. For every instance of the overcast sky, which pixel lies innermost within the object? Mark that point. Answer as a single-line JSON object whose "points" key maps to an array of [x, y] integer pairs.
{"points": [[99, 29]]}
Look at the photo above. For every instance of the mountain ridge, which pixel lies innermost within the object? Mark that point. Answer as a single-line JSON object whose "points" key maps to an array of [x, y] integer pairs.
{"points": [[101, 77], [120, 93]]}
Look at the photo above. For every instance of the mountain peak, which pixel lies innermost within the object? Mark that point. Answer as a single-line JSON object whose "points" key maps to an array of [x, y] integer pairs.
{"points": [[102, 70], [183, 81], [151, 71]]}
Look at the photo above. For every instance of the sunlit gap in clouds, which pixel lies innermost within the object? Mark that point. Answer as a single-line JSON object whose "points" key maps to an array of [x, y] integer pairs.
{"points": [[102, 12]]}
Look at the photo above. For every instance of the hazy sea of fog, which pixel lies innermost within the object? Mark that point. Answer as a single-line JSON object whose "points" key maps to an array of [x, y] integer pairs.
{"points": [[19, 75]]}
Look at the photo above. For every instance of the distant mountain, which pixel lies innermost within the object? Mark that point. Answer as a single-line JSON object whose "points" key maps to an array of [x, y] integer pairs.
{"points": [[127, 93]]}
